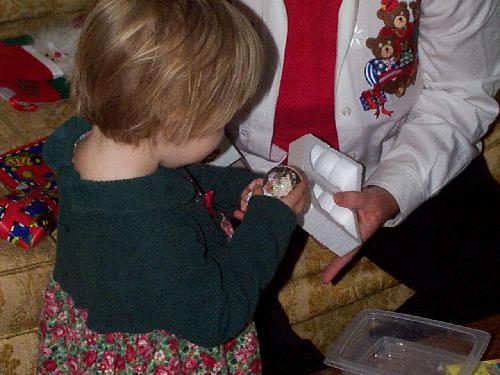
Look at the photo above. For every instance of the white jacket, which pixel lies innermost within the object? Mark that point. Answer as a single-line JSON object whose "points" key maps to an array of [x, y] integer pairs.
{"points": [[434, 129]]}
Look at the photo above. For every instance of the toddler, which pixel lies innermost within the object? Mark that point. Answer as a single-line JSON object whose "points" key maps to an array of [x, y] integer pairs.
{"points": [[150, 276]]}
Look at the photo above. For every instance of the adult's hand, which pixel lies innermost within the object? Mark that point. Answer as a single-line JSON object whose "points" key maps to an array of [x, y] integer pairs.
{"points": [[373, 206]]}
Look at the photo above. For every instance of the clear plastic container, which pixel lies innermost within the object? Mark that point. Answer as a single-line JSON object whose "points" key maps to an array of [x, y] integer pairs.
{"points": [[381, 342]]}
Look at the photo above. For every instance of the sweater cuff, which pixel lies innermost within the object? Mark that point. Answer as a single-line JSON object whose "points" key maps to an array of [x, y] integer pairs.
{"points": [[273, 215]]}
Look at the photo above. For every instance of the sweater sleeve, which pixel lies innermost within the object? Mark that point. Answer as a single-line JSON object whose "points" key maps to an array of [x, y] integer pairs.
{"points": [[209, 299], [57, 151]]}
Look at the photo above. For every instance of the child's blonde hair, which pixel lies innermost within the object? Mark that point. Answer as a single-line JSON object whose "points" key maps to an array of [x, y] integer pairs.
{"points": [[178, 69]]}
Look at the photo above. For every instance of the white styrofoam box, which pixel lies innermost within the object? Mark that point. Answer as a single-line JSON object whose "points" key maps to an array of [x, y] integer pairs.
{"points": [[328, 171]]}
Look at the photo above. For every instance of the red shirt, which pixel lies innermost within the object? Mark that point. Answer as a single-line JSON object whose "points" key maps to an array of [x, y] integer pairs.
{"points": [[305, 101]]}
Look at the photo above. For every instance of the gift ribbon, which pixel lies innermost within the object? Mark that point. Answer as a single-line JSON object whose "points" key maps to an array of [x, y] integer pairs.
{"points": [[208, 202]]}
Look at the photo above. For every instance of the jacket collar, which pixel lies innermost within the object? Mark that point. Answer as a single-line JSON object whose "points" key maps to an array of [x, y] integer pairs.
{"points": [[346, 22]]}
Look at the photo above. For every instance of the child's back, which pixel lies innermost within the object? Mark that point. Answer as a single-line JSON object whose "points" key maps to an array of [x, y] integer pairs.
{"points": [[149, 276]]}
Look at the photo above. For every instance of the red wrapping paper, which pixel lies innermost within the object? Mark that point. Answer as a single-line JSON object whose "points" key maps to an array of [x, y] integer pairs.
{"points": [[26, 216], [29, 211]]}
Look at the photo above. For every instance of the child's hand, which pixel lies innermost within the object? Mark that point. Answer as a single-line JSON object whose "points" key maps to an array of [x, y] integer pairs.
{"points": [[253, 188], [297, 198]]}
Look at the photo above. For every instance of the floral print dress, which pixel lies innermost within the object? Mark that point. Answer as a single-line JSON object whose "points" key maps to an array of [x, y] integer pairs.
{"points": [[68, 346]]}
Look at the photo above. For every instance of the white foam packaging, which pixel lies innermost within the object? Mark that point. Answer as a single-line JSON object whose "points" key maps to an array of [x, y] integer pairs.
{"points": [[328, 171]]}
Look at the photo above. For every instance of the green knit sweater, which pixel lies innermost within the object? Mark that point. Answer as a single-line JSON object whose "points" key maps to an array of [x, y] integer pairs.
{"points": [[143, 254]]}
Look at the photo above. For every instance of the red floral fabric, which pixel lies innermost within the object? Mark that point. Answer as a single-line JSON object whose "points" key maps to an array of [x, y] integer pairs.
{"points": [[68, 346]]}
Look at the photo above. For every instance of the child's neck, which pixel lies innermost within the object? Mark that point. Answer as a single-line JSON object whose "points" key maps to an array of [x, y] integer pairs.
{"points": [[100, 158]]}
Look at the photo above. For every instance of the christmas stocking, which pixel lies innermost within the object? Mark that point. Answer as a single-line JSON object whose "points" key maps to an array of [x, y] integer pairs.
{"points": [[27, 77]]}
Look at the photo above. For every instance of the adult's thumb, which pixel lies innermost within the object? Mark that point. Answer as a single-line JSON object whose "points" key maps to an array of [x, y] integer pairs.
{"points": [[348, 199], [336, 265]]}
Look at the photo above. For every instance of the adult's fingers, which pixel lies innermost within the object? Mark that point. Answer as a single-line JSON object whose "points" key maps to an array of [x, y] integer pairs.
{"points": [[336, 265]]}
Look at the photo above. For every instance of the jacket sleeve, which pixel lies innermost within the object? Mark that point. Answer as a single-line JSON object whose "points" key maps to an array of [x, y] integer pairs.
{"points": [[459, 57]]}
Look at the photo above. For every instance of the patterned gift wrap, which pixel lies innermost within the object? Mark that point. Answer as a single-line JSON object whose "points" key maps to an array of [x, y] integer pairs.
{"points": [[25, 167], [29, 211], [26, 216]]}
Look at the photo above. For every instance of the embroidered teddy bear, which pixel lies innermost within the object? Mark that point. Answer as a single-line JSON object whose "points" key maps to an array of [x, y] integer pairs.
{"points": [[394, 14], [396, 18], [384, 69]]}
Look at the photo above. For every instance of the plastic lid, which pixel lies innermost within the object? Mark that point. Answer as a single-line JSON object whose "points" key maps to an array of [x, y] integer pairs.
{"points": [[379, 342]]}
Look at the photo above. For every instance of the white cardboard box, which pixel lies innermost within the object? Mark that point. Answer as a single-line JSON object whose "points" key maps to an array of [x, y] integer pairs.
{"points": [[328, 171], [227, 154]]}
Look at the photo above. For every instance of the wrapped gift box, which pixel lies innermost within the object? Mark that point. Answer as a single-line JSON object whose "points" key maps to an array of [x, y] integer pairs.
{"points": [[27, 215], [25, 167], [29, 211]]}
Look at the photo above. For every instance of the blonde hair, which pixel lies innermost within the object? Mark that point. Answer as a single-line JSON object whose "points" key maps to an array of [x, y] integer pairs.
{"points": [[178, 69]]}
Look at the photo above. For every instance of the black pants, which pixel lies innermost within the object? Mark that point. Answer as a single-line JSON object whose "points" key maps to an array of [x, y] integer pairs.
{"points": [[448, 251]]}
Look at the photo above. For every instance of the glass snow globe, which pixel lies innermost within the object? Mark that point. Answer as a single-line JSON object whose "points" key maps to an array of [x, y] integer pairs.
{"points": [[280, 180]]}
